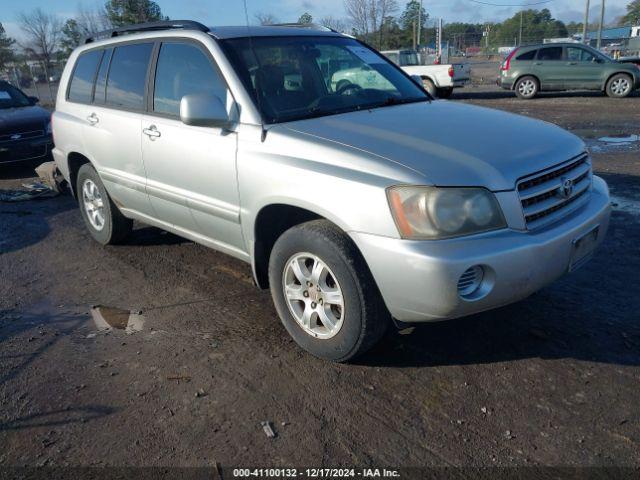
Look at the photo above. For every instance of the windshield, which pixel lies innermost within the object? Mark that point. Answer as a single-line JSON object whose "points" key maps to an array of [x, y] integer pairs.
{"points": [[292, 78], [11, 97]]}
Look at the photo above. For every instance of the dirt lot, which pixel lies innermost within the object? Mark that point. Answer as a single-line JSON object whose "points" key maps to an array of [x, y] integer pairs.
{"points": [[552, 380]]}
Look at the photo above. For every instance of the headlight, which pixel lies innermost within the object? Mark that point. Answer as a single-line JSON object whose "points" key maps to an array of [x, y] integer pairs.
{"points": [[48, 128], [434, 213]]}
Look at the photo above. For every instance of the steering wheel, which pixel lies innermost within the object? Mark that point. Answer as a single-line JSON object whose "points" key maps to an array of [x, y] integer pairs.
{"points": [[348, 86]]}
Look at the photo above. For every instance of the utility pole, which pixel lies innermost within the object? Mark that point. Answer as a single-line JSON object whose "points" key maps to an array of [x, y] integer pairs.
{"points": [[600, 25], [521, 15], [586, 23], [419, 24], [414, 34]]}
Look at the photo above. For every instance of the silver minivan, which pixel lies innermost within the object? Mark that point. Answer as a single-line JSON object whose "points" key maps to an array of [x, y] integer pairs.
{"points": [[359, 207]]}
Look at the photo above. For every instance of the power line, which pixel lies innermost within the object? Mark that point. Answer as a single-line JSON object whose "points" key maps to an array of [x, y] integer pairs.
{"points": [[511, 4]]}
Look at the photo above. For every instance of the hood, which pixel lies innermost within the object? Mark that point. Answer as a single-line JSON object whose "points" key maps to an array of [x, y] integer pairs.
{"points": [[23, 119], [451, 144]]}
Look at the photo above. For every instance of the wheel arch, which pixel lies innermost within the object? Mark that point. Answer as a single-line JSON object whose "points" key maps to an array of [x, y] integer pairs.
{"points": [[619, 72], [270, 223], [520, 77], [75, 160]]}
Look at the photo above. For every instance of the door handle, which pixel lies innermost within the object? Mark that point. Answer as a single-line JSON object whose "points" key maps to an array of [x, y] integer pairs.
{"points": [[538, 63], [152, 132], [93, 119], [573, 63]]}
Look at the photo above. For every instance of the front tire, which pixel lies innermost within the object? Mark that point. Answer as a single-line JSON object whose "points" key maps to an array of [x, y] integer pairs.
{"points": [[105, 222], [619, 86], [527, 88], [324, 293]]}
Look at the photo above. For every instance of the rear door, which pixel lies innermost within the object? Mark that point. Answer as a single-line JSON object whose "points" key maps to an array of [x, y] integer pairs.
{"points": [[191, 171], [112, 137], [550, 68], [583, 70]]}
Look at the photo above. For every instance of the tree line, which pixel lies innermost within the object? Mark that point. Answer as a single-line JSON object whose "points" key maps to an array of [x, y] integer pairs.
{"points": [[381, 23]]}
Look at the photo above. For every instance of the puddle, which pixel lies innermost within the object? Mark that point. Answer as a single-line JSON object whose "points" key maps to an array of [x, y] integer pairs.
{"points": [[620, 139], [627, 205], [108, 318]]}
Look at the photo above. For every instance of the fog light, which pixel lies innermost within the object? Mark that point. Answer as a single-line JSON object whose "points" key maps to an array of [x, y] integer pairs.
{"points": [[470, 281]]}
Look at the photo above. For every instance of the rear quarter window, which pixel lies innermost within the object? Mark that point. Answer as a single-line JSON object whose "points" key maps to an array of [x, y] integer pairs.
{"points": [[526, 56], [81, 86]]}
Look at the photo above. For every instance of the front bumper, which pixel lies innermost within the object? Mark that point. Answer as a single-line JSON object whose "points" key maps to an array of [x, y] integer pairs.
{"points": [[26, 150], [418, 279]]}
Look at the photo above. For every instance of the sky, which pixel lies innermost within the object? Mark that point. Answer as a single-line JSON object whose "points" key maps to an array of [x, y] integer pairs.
{"points": [[231, 12]]}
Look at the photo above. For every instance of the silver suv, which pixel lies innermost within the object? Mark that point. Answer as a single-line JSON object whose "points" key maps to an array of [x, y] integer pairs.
{"points": [[358, 206]]}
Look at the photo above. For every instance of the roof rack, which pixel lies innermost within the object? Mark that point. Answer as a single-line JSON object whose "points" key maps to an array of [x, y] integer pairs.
{"points": [[148, 27], [311, 26]]}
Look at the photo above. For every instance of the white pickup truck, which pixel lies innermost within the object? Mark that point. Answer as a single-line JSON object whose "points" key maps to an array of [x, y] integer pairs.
{"points": [[438, 80]]}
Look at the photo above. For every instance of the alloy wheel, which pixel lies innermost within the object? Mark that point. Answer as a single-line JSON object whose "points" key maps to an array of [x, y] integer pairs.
{"points": [[620, 86], [93, 204], [313, 295]]}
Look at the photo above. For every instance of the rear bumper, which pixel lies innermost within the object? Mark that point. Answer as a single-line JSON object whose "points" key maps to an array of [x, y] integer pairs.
{"points": [[26, 150], [504, 83], [419, 279]]}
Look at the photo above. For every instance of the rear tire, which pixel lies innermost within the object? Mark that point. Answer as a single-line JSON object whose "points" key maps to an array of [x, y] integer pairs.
{"points": [[105, 222], [619, 86], [336, 313], [430, 87], [527, 88]]}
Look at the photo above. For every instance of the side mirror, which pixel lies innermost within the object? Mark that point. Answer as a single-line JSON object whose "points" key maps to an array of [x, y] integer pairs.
{"points": [[33, 100], [203, 110]]}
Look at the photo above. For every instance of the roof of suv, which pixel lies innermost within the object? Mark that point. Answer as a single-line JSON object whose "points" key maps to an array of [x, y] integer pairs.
{"points": [[558, 44], [271, 31], [288, 29]]}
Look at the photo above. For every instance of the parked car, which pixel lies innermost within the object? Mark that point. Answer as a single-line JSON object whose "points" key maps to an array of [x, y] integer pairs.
{"points": [[567, 66], [355, 205], [25, 128], [438, 80]]}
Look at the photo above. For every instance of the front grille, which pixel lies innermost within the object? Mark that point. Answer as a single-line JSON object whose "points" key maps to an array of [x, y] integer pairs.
{"points": [[22, 152], [23, 136], [550, 195]]}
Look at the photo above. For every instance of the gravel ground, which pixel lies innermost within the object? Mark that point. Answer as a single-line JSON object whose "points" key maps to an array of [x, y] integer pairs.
{"points": [[552, 380]]}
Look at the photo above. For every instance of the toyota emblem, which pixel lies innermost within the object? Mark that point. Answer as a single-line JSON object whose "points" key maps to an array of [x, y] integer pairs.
{"points": [[567, 187]]}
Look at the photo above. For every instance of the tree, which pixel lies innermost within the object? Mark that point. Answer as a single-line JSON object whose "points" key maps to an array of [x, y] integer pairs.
{"points": [[413, 18], [71, 37], [336, 24], [358, 13], [128, 12], [266, 18], [305, 18], [6, 48], [384, 9], [633, 14], [537, 25], [370, 18], [43, 32]]}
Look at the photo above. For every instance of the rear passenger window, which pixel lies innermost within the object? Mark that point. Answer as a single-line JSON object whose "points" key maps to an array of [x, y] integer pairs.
{"points": [[127, 76], [184, 70], [550, 53], [527, 55], [101, 79], [81, 86]]}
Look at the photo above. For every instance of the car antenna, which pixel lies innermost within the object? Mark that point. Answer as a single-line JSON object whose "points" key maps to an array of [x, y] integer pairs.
{"points": [[263, 136]]}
